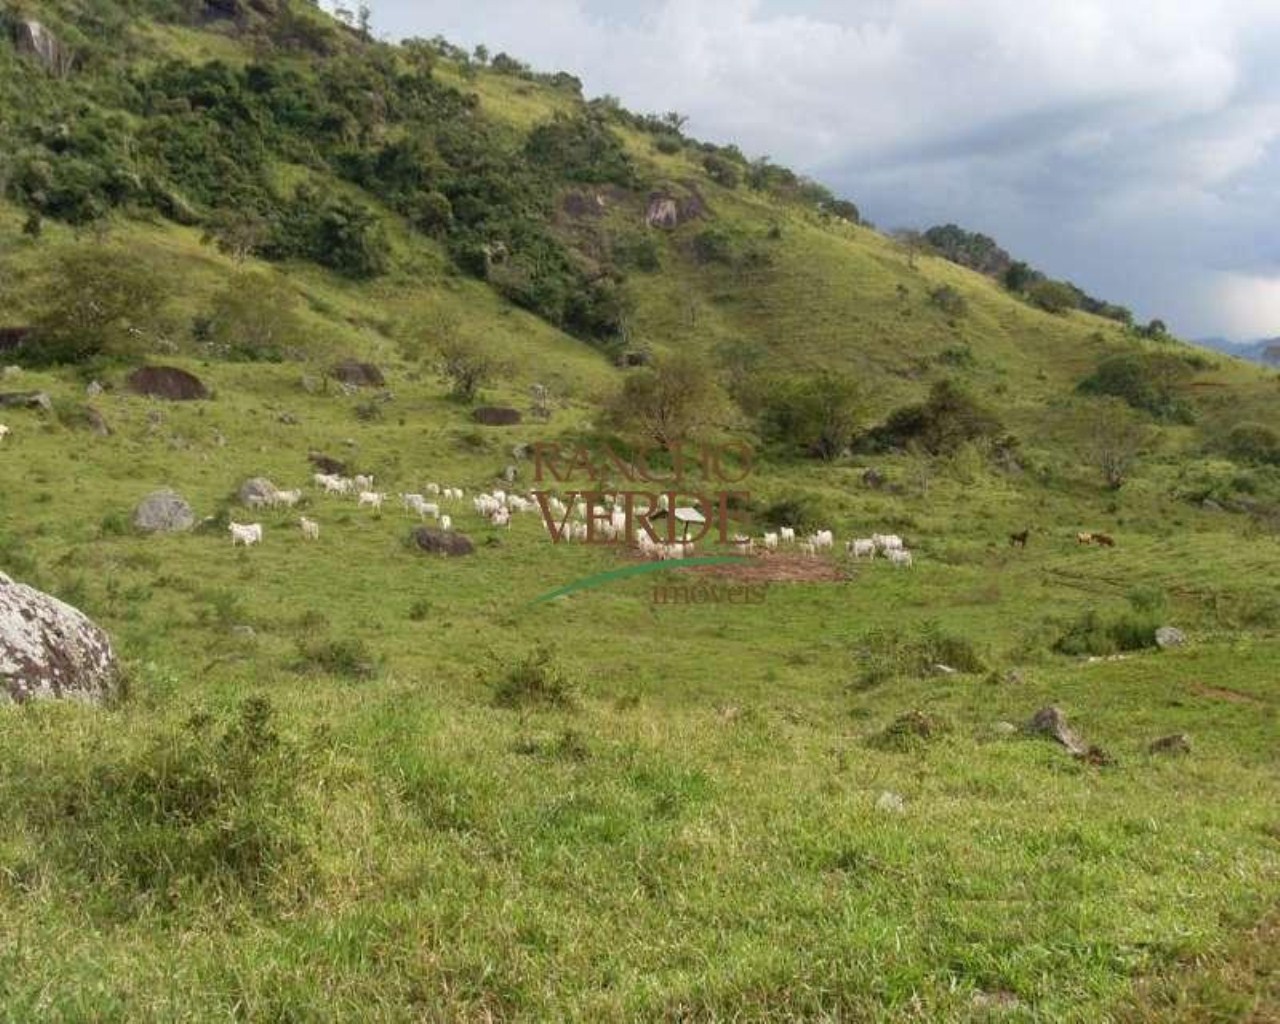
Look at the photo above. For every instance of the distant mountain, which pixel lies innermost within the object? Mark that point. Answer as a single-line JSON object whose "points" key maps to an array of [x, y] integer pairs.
{"points": [[1264, 350]]}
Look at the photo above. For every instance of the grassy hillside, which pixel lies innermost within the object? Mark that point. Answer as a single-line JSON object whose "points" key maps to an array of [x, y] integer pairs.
{"points": [[331, 792]]}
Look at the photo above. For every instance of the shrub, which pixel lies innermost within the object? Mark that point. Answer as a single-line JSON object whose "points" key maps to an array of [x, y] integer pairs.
{"points": [[816, 416], [581, 148], [1093, 633], [714, 245], [948, 419], [534, 680], [891, 653], [910, 731], [1052, 296], [1145, 381], [803, 511], [634, 251], [1254, 442], [949, 300], [721, 171], [254, 318], [347, 659]]}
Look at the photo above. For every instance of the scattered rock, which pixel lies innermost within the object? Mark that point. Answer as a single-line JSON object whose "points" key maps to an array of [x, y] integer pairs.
{"points": [[26, 400], [325, 464], [522, 452], [256, 492], [510, 474], [50, 650], [1177, 743], [96, 421], [997, 1000], [248, 632], [310, 384], [93, 389], [9, 372], [164, 512], [1004, 728], [1170, 636], [496, 416], [288, 419], [945, 670], [891, 802], [1209, 505], [1050, 721], [630, 360], [167, 382], [449, 543], [359, 375]]}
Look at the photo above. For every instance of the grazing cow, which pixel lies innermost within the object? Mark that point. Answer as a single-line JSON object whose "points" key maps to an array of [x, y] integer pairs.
{"points": [[1084, 538], [901, 557], [501, 517], [771, 542], [1019, 540], [310, 528], [246, 534], [887, 541], [808, 547], [787, 535], [4, 431], [743, 544], [1104, 540], [371, 499], [285, 499], [363, 482], [433, 490], [864, 548]]}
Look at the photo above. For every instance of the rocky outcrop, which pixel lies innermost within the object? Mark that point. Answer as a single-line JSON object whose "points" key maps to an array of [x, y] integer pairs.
{"points": [[257, 492], [449, 543], [33, 38], [26, 400], [50, 650], [360, 375], [167, 382], [164, 512]]}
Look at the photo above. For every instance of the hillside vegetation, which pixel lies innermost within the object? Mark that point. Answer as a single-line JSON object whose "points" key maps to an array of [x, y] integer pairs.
{"points": [[351, 781]]}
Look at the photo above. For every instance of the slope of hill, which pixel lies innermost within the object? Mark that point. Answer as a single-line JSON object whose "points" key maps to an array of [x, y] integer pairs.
{"points": [[350, 781]]}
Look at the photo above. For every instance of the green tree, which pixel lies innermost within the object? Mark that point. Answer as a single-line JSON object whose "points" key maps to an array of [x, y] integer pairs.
{"points": [[254, 317], [667, 403], [941, 424], [101, 300], [816, 415], [1052, 296], [1116, 438]]}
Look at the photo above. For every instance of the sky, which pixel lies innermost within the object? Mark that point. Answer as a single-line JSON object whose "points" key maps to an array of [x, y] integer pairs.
{"points": [[1132, 148]]}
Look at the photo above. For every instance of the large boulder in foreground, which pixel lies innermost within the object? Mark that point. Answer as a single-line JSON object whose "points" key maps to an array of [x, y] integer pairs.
{"points": [[167, 382], [49, 650], [164, 512], [443, 542]]}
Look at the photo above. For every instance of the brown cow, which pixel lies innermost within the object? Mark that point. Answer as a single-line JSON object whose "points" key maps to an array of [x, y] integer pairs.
{"points": [[1104, 540], [1019, 540]]}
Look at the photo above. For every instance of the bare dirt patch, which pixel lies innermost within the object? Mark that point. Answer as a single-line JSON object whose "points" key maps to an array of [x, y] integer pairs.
{"points": [[1223, 693]]}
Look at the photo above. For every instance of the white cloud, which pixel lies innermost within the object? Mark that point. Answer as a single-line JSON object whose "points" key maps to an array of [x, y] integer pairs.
{"points": [[1066, 129]]}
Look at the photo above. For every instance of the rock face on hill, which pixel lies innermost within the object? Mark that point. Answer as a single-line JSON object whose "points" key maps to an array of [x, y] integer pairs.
{"points": [[167, 382], [33, 38], [164, 512], [50, 650]]}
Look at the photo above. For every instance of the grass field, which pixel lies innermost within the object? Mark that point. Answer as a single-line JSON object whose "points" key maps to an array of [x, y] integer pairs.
{"points": [[695, 833]]}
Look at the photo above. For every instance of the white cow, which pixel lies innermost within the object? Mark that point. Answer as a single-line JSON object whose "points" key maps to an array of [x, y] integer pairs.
{"points": [[823, 539], [363, 483], [285, 499], [862, 548], [433, 490], [446, 523], [310, 528], [371, 499], [4, 431], [787, 535], [771, 542], [808, 547], [246, 534], [887, 541], [900, 557]]}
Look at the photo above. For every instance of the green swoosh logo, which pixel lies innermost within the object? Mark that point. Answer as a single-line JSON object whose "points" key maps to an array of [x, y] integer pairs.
{"points": [[600, 579]]}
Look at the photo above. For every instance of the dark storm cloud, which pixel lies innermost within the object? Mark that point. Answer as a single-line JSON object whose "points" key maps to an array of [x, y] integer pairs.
{"points": [[1131, 148]]}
